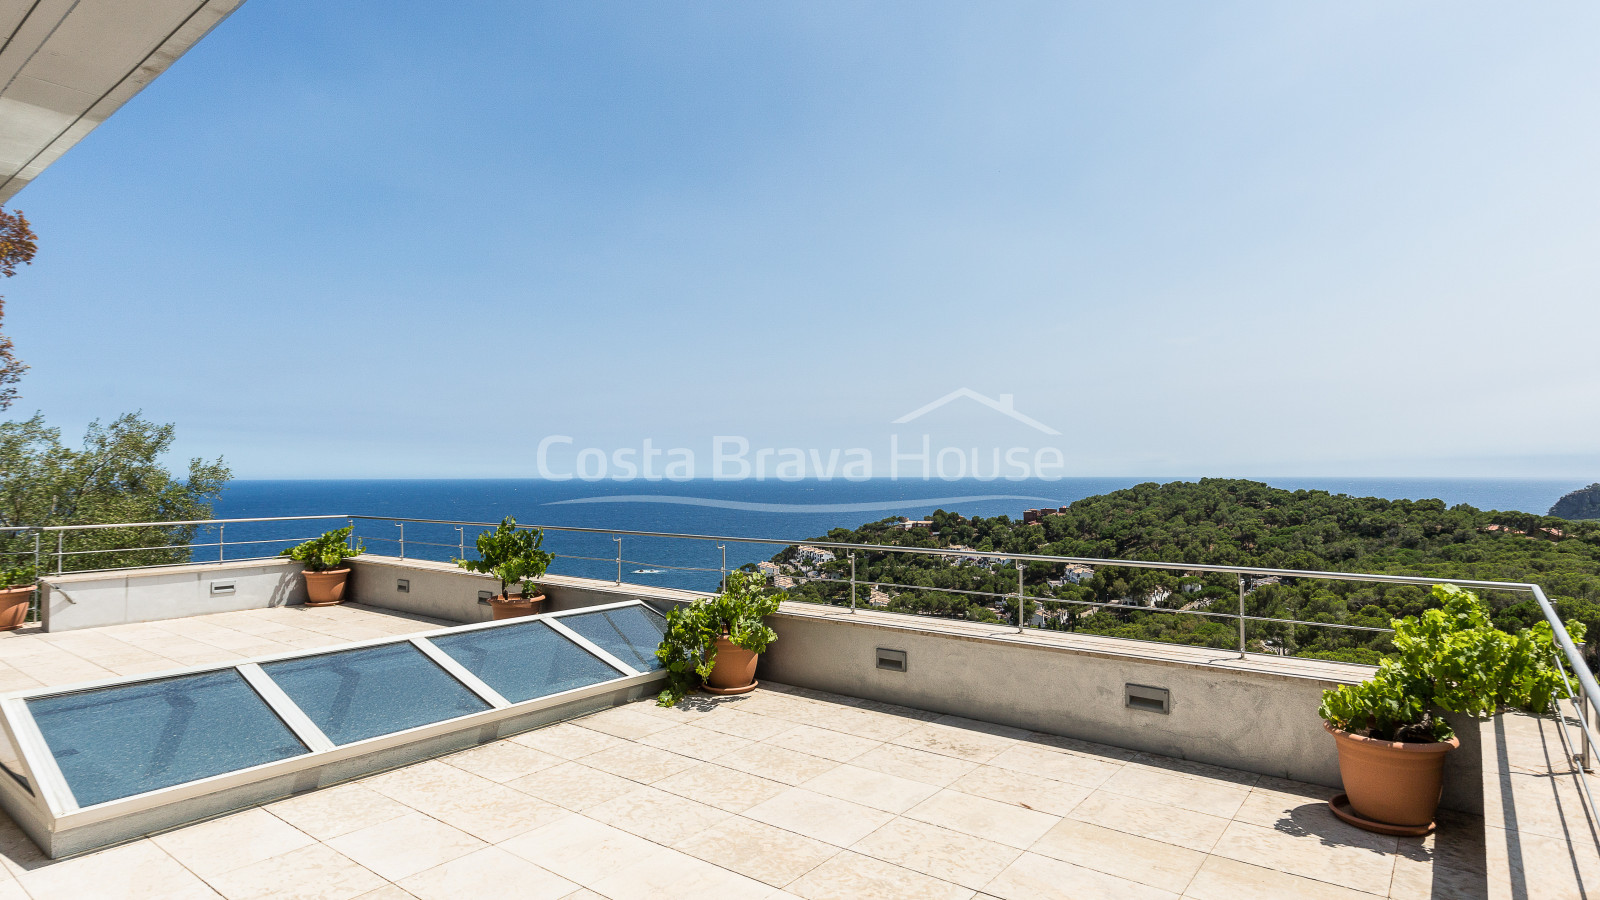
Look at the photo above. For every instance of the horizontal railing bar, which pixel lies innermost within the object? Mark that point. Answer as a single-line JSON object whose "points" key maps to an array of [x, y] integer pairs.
{"points": [[182, 522], [640, 562]]}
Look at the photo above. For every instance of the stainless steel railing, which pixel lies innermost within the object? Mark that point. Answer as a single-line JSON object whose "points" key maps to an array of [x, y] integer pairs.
{"points": [[1584, 703]]}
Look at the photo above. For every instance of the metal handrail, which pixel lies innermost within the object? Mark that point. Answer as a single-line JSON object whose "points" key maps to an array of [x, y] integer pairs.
{"points": [[1586, 680]]}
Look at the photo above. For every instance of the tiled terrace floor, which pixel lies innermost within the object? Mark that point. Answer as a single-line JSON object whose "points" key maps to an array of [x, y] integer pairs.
{"points": [[779, 793]]}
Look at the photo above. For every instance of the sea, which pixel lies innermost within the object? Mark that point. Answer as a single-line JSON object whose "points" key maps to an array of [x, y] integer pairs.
{"points": [[739, 521]]}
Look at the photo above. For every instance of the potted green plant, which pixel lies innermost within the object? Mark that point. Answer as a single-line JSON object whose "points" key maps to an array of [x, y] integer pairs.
{"points": [[1390, 733], [714, 642], [324, 559], [16, 595], [514, 556]]}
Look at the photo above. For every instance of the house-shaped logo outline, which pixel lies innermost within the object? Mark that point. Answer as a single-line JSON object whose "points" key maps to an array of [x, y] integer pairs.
{"points": [[1004, 405]]}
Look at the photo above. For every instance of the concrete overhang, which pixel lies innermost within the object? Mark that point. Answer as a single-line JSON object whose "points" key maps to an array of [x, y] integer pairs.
{"points": [[67, 65]]}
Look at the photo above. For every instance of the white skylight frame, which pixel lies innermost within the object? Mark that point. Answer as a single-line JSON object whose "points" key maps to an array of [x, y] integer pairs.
{"points": [[52, 808]]}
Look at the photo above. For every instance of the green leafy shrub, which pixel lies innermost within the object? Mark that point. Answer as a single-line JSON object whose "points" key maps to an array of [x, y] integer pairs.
{"points": [[18, 576], [326, 552], [512, 555], [1450, 659], [689, 648]]}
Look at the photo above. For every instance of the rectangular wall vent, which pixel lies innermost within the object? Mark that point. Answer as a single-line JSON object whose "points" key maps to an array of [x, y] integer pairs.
{"points": [[893, 660], [403, 585], [223, 588], [484, 597], [1149, 699]]}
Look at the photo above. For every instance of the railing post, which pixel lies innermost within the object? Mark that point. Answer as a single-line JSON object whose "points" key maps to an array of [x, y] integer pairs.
{"points": [[1241, 617], [222, 542], [1021, 603], [351, 542], [852, 581], [619, 558], [61, 538], [402, 527], [38, 611], [724, 585], [461, 533]]}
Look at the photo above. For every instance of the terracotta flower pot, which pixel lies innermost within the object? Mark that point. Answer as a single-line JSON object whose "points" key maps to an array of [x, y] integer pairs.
{"points": [[516, 605], [14, 606], [1390, 782], [326, 588], [734, 672]]}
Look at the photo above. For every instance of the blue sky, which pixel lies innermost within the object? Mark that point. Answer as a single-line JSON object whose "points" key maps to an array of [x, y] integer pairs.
{"points": [[1224, 239]]}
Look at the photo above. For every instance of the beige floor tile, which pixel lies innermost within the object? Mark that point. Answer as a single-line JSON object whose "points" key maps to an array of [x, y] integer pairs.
{"points": [[131, 872], [994, 729], [231, 842], [961, 743], [1045, 762], [852, 876], [944, 854], [776, 763], [330, 812], [637, 762], [833, 745], [757, 850], [918, 765], [1451, 862], [625, 723], [741, 724], [1157, 821], [1298, 815], [567, 740], [1364, 867], [574, 786], [486, 810], [985, 818], [490, 872], [696, 743], [878, 725], [729, 790], [1035, 877], [829, 819], [657, 815], [503, 761], [405, 846], [878, 790], [1196, 769], [670, 875], [10, 890], [388, 892], [580, 849], [1146, 861], [1027, 791], [1220, 878], [1530, 866], [317, 872], [1221, 800]]}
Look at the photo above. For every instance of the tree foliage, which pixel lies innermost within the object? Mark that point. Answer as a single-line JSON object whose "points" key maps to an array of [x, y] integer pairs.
{"points": [[513, 555], [118, 476], [327, 551], [17, 247], [688, 650], [1454, 659], [1231, 522]]}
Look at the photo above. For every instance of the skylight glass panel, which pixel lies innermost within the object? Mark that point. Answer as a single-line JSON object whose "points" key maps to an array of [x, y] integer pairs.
{"points": [[631, 633], [119, 741], [522, 662], [356, 694]]}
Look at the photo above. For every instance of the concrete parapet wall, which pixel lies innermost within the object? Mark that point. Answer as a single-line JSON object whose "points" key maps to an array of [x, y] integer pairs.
{"points": [[443, 590], [95, 599], [1258, 715]]}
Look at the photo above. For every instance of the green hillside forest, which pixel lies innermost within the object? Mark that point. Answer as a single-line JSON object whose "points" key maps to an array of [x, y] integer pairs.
{"points": [[1224, 522]]}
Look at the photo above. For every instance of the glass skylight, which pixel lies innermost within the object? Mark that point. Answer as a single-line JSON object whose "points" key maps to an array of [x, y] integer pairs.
{"points": [[522, 662], [356, 694], [630, 633], [120, 741]]}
